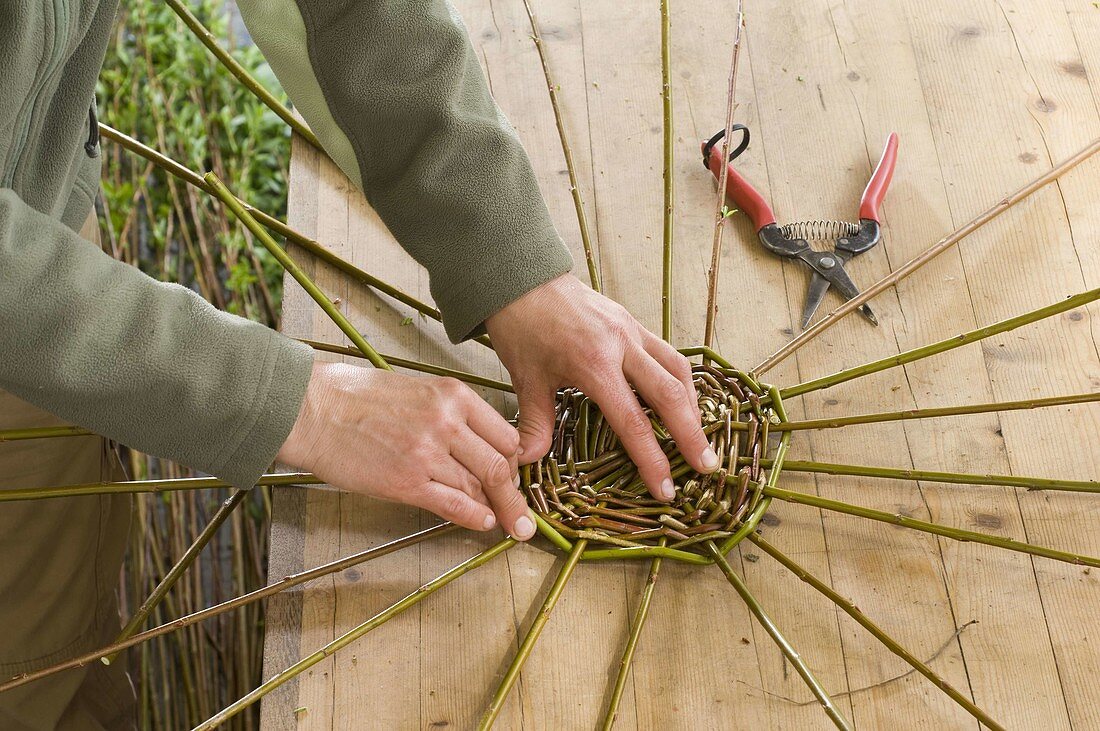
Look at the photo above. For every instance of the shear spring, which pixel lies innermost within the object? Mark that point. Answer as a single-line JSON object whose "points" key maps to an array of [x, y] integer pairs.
{"points": [[819, 230]]}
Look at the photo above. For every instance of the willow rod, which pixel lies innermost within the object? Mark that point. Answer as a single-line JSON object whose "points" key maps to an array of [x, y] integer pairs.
{"points": [[781, 642], [235, 603], [201, 540], [413, 365], [839, 421], [632, 642], [669, 171], [354, 634], [511, 675], [928, 255], [720, 213], [241, 74], [189, 176], [140, 486], [952, 478], [864, 621], [942, 346], [42, 432], [958, 534], [567, 150], [295, 271]]}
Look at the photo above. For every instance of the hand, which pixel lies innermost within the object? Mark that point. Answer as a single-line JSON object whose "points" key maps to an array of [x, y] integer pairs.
{"points": [[428, 442], [565, 334]]}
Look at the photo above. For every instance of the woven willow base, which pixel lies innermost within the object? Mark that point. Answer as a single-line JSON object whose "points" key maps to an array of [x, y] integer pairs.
{"points": [[587, 487]]}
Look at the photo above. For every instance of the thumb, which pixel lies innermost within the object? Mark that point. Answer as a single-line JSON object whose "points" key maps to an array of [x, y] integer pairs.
{"points": [[535, 423]]}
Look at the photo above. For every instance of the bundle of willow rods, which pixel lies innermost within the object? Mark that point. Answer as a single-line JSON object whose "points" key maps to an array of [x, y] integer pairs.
{"points": [[588, 488]]}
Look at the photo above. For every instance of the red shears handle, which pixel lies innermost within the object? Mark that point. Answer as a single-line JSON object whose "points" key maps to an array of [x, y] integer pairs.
{"points": [[740, 191], [880, 180]]}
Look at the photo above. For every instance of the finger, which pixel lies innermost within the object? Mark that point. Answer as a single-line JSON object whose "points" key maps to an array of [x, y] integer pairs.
{"points": [[454, 505], [536, 421], [449, 471], [491, 426], [492, 469], [623, 412], [666, 394], [676, 364]]}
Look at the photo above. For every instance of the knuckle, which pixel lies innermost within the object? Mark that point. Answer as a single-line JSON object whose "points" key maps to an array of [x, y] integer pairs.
{"points": [[670, 391], [637, 425], [497, 471], [453, 504], [450, 388]]}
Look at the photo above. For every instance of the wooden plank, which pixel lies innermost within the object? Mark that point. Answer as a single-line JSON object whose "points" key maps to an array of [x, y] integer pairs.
{"points": [[821, 85]]}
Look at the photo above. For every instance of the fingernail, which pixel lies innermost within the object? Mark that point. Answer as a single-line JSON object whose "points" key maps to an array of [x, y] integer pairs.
{"points": [[490, 521], [515, 482], [709, 459], [668, 491], [524, 528]]}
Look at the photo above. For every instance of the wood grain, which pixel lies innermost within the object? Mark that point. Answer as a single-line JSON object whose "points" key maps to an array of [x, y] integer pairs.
{"points": [[985, 95]]}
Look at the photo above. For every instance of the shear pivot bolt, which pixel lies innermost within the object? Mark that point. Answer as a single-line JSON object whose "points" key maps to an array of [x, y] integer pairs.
{"points": [[827, 262]]}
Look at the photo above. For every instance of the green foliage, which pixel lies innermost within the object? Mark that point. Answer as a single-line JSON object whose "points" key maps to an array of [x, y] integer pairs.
{"points": [[160, 85]]}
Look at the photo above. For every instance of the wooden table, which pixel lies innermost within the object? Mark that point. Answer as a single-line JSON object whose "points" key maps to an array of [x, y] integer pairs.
{"points": [[985, 96]]}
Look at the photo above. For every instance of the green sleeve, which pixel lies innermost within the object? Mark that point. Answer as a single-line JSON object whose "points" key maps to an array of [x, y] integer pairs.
{"points": [[394, 91], [149, 364]]}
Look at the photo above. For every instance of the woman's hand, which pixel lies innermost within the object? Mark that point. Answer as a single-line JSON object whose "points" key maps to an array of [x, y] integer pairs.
{"points": [[565, 334], [428, 442]]}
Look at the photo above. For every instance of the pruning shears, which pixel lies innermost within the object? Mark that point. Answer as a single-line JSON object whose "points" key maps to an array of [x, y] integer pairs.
{"points": [[792, 240]]}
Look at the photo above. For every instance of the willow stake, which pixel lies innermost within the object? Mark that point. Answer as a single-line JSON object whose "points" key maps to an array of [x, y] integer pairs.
{"points": [[140, 486], [232, 66], [720, 213], [944, 345], [1024, 404], [352, 635], [229, 605], [632, 643], [512, 674], [201, 540], [958, 534], [669, 171], [413, 365], [42, 432], [781, 642], [928, 255], [567, 150], [952, 478], [294, 270], [853, 611]]}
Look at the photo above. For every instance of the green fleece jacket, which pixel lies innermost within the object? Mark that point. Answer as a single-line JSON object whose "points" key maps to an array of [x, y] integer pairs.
{"points": [[393, 90]]}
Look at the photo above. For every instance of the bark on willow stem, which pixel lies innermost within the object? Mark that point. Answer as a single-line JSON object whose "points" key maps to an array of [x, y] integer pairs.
{"points": [[354, 634], [567, 150], [313, 247], [237, 602], [1024, 404], [201, 540], [720, 214], [42, 432], [413, 365], [781, 642], [669, 171], [543, 615], [140, 486], [890, 643], [958, 534], [632, 642], [241, 74], [942, 346], [928, 255], [222, 193], [951, 478]]}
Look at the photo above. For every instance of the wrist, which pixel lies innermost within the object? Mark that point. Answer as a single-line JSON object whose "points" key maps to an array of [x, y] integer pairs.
{"points": [[298, 448]]}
